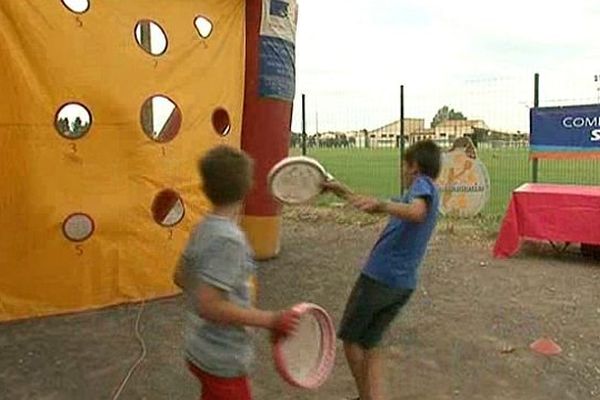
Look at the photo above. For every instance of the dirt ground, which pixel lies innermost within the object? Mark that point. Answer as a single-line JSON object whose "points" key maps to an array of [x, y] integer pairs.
{"points": [[464, 335]]}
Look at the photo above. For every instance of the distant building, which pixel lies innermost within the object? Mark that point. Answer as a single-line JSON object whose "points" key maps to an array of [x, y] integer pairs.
{"points": [[421, 134], [452, 130], [389, 135], [444, 133]]}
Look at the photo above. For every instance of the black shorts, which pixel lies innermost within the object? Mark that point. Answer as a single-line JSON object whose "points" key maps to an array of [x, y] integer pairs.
{"points": [[371, 308]]}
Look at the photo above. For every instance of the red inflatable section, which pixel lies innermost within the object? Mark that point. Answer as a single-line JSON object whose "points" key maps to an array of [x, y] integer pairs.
{"points": [[265, 136]]}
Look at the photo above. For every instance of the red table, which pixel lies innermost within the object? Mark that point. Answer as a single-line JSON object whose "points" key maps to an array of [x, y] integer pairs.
{"points": [[556, 213]]}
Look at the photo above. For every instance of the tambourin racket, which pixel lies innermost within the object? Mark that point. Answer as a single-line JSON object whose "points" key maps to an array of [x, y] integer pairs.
{"points": [[306, 357], [297, 180]]}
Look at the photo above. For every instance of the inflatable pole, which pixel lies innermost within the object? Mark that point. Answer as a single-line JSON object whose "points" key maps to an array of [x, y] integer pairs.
{"points": [[268, 98]]}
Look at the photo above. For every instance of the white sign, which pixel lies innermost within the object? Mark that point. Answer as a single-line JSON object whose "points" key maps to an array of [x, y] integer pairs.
{"points": [[464, 181], [279, 19]]}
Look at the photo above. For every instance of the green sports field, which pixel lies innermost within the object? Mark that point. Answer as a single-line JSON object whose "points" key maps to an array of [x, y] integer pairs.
{"points": [[376, 171]]}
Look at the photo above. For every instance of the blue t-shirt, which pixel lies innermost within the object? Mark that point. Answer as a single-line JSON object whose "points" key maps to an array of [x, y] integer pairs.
{"points": [[397, 254]]}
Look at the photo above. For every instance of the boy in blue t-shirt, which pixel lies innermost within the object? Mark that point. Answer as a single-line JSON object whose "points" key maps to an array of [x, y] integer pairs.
{"points": [[390, 274]]}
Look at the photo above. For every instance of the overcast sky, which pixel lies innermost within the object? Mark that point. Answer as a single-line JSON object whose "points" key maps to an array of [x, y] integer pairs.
{"points": [[476, 56]]}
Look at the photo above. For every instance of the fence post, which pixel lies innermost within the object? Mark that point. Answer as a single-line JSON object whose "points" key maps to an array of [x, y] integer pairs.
{"points": [[303, 124], [402, 139], [536, 104]]}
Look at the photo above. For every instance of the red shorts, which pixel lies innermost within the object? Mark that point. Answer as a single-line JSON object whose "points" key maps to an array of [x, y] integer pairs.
{"points": [[216, 388]]}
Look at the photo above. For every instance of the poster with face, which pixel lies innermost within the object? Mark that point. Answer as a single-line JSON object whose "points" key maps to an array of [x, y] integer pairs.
{"points": [[464, 181]]}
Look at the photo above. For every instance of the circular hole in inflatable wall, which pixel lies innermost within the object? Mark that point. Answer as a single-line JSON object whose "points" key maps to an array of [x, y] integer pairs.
{"points": [[73, 121], [78, 227], [167, 208], [77, 6], [204, 26], [160, 118], [221, 122], [151, 37]]}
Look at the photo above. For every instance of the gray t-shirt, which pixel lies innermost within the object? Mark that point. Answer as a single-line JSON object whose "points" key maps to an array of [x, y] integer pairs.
{"points": [[217, 253]]}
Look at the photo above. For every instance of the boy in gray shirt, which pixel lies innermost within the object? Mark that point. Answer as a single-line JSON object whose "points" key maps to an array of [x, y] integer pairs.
{"points": [[214, 272]]}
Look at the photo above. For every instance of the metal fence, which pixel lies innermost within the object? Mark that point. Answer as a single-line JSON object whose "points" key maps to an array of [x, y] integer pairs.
{"points": [[358, 139]]}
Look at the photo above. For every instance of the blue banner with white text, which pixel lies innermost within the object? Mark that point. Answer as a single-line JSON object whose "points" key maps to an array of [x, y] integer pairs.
{"points": [[565, 132]]}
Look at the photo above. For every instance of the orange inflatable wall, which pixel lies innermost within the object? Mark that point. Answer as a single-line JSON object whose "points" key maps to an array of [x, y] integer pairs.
{"points": [[95, 210]]}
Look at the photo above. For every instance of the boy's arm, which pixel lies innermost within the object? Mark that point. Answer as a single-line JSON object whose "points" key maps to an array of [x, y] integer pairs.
{"points": [[338, 188], [214, 306], [211, 289], [415, 211]]}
